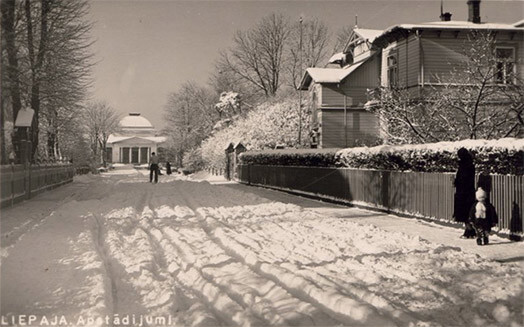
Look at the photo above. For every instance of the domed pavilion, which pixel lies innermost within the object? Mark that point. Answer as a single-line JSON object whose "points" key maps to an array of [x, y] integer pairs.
{"points": [[134, 142]]}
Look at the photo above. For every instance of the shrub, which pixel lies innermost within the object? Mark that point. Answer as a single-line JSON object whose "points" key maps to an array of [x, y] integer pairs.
{"points": [[271, 123], [291, 157], [192, 160], [504, 156]]}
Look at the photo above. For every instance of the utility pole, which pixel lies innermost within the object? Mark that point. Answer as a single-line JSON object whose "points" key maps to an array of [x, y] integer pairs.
{"points": [[300, 91]]}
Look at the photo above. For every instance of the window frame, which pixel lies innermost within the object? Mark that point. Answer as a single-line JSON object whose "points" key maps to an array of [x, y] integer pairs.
{"points": [[392, 70], [505, 79]]}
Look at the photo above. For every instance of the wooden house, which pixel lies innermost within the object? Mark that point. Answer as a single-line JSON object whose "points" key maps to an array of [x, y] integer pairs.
{"points": [[338, 95], [415, 56], [410, 56]]}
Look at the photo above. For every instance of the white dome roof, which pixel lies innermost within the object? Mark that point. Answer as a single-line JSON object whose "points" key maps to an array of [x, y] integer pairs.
{"points": [[134, 120]]}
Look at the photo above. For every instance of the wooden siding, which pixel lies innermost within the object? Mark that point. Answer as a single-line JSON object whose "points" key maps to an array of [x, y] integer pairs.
{"points": [[445, 51], [408, 61], [361, 128], [354, 87]]}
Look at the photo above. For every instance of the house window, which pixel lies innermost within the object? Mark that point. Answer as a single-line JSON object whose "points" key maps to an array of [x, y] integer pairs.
{"points": [[392, 70], [505, 58], [109, 154]]}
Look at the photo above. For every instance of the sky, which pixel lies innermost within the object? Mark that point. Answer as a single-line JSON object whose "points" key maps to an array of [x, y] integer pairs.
{"points": [[146, 50]]}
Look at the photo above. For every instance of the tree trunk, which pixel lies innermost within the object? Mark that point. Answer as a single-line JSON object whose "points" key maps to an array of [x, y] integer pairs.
{"points": [[36, 65], [8, 32]]}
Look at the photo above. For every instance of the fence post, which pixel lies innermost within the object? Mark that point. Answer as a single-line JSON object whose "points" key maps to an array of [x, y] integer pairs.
{"points": [[12, 185]]}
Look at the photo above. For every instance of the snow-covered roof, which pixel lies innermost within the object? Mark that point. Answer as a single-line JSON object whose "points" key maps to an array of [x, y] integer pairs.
{"points": [[24, 118], [116, 139], [327, 75], [361, 34], [447, 25], [455, 25], [134, 120], [368, 34], [520, 23], [339, 56]]}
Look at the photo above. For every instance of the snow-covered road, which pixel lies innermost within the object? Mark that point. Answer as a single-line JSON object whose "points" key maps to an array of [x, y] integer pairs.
{"points": [[116, 250]]}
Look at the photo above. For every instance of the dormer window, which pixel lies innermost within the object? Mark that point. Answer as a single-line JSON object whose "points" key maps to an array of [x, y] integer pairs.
{"points": [[392, 70], [505, 65]]}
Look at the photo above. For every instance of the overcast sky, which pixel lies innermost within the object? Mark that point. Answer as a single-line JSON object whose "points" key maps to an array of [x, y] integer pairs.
{"points": [[147, 49]]}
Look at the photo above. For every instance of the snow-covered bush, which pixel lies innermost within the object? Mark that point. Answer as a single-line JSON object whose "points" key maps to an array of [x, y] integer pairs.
{"points": [[271, 123], [291, 157], [503, 156], [192, 160], [229, 103]]}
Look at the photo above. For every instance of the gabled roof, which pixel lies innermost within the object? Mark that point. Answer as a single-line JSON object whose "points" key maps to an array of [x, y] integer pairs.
{"points": [[520, 23], [446, 25], [327, 75], [453, 25], [361, 34], [116, 139]]}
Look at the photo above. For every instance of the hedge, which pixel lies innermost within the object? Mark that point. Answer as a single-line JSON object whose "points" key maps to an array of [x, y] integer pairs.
{"points": [[290, 157], [504, 156]]}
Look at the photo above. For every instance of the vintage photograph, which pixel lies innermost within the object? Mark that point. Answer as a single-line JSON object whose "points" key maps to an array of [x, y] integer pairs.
{"points": [[262, 163]]}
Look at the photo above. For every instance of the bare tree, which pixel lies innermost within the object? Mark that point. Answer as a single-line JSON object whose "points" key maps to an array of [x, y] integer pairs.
{"points": [[10, 68], [258, 54], [480, 98], [190, 116], [314, 35], [101, 121], [342, 38], [47, 51]]}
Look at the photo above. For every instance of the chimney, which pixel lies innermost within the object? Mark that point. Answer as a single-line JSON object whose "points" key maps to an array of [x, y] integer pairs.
{"points": [[474, 11], [445, 17]]}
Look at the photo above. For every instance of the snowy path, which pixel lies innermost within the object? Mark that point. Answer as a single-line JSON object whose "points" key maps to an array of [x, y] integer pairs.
{"points": [[115, 248]]}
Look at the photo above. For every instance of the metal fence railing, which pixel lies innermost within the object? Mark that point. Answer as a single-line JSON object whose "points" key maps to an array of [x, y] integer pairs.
{"points": [[19, 182], [428, 195]]}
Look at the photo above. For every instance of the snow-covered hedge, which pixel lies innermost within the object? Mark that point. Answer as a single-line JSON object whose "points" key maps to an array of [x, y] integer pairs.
{"points": [[291, 157], [503, 156], [269, 124]]}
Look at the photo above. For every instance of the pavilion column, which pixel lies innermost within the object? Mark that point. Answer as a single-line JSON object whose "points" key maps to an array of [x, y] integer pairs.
{"points": [[139, 155], [130, 154]]}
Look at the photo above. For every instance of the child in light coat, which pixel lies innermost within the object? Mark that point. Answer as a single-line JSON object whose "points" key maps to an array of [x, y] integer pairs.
{"points": [[482, 216]]}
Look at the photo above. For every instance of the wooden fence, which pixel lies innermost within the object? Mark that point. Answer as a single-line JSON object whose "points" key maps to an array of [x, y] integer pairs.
{"points": [[429, 195], [19, 182]]}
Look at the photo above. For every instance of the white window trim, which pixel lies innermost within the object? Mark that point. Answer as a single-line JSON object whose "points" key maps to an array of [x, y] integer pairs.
{"points": [[392, 54], [513, 61]]}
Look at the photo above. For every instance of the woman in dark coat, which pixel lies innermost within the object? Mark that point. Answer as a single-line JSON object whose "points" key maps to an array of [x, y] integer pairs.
{"points": [[168, 168], [464, 191]]}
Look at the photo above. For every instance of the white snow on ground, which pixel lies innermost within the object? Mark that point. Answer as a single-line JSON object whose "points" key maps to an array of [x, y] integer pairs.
{"points": [[200, 253]]}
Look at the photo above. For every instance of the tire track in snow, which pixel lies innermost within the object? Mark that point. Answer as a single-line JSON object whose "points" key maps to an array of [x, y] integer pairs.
{"points": [[250, 299], [321, 316], [102, 253], [359, 308]]}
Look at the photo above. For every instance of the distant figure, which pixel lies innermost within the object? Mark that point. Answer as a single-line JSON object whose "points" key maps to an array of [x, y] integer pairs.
{"points": [[168, 168], [464, 191], [153, 168], [483, 216]]}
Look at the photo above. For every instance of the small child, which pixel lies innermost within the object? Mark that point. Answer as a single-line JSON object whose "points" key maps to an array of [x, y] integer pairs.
{"points": [[482, 216]]}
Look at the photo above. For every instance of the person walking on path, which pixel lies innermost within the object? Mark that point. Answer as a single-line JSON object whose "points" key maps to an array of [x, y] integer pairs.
{"points": [[153, 168], [483, 216], [464, 191], [168, 168]]}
